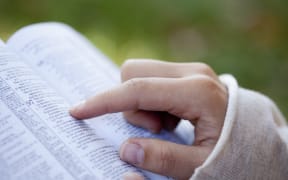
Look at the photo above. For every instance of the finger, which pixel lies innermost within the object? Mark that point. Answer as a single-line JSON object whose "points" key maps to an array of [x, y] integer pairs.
{"points": [[132, 176], [151, 120], [152, 94], [162, 157], [153, 68], [179, 97], [148, 120]]}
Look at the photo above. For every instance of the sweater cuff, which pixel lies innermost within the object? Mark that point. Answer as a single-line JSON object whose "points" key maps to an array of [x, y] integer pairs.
{"points": [[232, 87], [249, 144]]}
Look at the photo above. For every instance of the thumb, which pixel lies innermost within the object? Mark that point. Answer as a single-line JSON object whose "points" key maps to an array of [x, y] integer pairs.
{"points": [[132, 176], [163, 157]]}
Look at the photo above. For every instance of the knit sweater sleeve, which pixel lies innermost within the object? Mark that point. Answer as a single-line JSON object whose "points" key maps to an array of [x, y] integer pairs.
{"points": [[253, 142]]}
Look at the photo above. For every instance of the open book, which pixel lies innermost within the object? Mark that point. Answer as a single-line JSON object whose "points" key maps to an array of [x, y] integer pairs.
{"points": [[45, 69]]}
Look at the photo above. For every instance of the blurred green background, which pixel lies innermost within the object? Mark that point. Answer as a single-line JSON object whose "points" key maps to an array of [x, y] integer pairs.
{"points": [[247, 38]]}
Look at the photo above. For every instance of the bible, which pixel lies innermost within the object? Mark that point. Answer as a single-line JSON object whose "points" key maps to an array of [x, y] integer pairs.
{"points": [[46, 68]]}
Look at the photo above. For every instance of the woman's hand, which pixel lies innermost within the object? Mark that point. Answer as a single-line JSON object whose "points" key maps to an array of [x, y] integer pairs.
{"points": [[156, 95]]}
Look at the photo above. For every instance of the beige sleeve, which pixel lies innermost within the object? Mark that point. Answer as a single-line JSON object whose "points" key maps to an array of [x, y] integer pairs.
{"points": [[253, 142]]}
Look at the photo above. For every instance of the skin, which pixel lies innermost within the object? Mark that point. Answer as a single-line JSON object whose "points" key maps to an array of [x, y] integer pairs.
{"points": [[155, 95]]}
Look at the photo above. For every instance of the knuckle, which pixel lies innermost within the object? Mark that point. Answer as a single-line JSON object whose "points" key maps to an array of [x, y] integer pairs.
{"points": [[203, 82], [127, 69], [136, 84], [167, 160], [205, 69], [209, 83], [107, 95], [214, 90]]}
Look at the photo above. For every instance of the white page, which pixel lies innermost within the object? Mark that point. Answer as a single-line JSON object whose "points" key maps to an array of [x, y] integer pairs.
{"points": [[21, 154], [73, 67], [77, 70], [41, 125]]}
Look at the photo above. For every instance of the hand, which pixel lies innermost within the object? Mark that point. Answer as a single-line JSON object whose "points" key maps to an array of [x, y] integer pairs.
{"points": [[156, 95]]}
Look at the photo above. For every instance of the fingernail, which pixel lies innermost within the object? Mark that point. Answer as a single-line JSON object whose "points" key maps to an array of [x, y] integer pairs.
{"points": [[77, 107], [132, 176], [132, 153]]}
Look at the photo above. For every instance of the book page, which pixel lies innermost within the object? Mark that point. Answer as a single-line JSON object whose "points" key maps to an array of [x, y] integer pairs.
{"points": [[77, 70], [38, 137], [22, 155]]}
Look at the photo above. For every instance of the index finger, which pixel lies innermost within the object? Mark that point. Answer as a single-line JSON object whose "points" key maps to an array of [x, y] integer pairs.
{"points": [[154, 94], [153, 68]]}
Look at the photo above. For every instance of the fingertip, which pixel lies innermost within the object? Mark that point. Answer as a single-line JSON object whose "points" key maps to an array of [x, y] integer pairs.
{"points": [[132, 152], [76, 111], [73, 113], [132, 176], [162, 157]]}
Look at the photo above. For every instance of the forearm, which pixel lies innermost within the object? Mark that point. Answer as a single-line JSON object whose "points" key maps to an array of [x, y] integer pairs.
{"points": [[249, 144]]}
